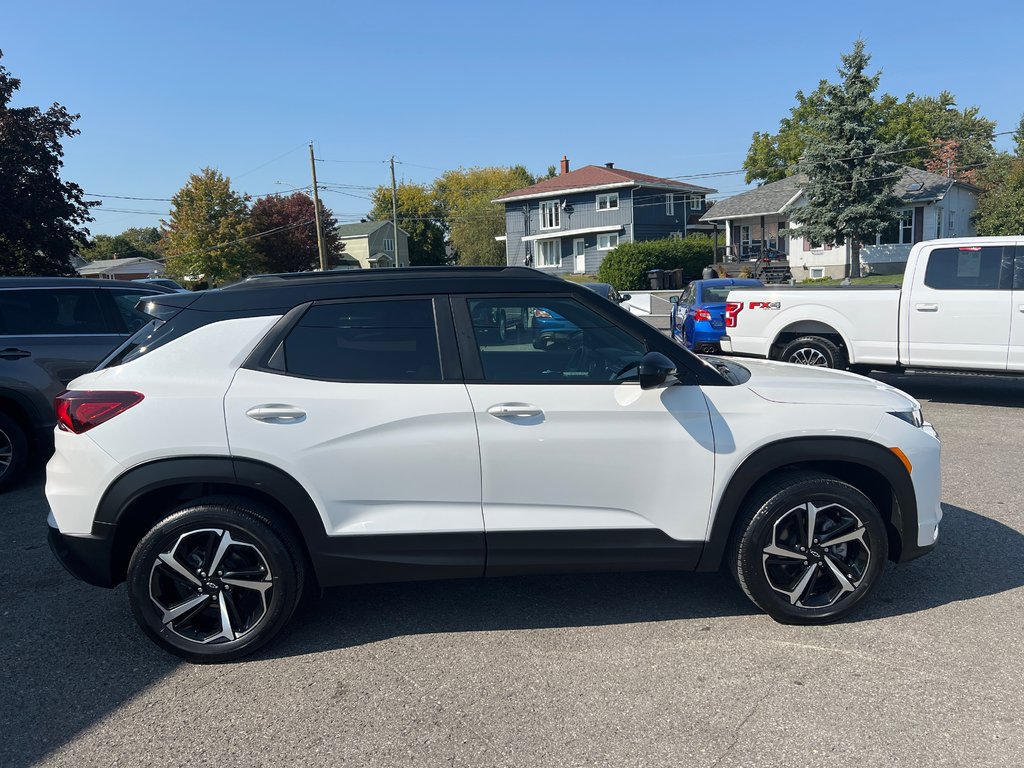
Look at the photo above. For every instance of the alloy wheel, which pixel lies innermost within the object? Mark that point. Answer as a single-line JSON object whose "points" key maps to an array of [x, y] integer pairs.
{"points": [[809, 356], [211, 586], [6, 452], [817, 555]]}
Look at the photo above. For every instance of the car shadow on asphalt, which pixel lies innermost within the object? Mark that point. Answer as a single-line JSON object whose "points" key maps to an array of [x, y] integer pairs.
{"points": [[354, 616], [962, 389]]}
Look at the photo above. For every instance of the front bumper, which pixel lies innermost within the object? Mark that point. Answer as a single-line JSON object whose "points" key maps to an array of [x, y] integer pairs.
{"points": [[86, 557]]}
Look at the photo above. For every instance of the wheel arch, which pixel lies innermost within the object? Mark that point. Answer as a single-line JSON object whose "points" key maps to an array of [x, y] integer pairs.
{"points": [[831, 327], [145, 494], [871, 468]]}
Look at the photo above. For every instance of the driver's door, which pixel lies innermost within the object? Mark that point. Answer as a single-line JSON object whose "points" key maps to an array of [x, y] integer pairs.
{"points": [[580, 467]]}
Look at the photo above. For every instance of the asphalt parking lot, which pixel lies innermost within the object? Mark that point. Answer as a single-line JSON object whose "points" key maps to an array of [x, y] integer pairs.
{"points": [[605, 670]]}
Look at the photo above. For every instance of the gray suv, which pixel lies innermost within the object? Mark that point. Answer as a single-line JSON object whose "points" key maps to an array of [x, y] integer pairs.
{"points": [[53, 329]]}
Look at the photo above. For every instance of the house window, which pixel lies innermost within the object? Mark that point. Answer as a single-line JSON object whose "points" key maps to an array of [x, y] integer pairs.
{"points": [[696, 201], [938, 222], [745, 235], [389, 245], [670, 204], [549, 253], [817, 273], [901, 231], [609, 202], [607, 242], [550, 215], [676, 235]]}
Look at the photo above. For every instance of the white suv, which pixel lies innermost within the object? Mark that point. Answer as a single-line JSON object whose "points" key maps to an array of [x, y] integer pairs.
{"points": [[362, 427]]}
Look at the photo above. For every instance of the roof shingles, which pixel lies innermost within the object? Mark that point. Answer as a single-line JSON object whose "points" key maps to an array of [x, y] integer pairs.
{"points": [[597, 176]]}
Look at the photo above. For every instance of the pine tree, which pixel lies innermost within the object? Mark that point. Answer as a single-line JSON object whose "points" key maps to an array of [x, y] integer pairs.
{"points": [[851, 173]]}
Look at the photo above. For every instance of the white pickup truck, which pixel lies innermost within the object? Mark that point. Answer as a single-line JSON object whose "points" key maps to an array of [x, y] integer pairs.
{"points": [[961, 307]]}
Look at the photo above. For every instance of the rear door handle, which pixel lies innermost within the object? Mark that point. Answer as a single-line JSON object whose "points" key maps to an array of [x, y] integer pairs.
{"points": [[276, 413], [514, 410], [927, 307], [13, 354]]}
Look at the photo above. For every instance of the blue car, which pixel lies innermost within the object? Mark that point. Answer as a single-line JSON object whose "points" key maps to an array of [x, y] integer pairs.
{"points": [[698, 315]]}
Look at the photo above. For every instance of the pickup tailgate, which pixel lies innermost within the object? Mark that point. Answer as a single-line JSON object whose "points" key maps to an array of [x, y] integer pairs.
{"points": [[865, 318]]}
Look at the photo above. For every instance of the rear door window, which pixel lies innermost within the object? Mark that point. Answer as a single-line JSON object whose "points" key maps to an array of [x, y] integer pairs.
{"points": [[366, 341], [970, 268], [52, 312]]}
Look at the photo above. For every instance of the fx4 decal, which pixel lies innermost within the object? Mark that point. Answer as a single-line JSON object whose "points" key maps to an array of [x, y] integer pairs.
{"points": [[733, 309]]}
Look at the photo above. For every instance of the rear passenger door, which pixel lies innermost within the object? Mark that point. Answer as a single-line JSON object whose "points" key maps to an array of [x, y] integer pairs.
{"points": [[959, 308], [1016, 356], [363, 404]]}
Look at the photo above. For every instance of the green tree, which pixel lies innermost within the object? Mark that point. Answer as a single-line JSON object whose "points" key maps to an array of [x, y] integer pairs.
{"points": [[41, 216], [464, 197], [1018, 139], [1001, 206], [135, 242], [920, 123], [209, 234], [419, 216], [850, 170]]}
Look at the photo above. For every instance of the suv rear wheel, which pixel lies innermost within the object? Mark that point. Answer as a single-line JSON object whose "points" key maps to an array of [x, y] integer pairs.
{"points": [[215, 581], [809, 548]]}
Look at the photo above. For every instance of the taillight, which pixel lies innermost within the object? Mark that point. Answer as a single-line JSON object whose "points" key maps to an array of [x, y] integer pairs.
{"points": [[732, 309], [701, 314], [79, 412]]}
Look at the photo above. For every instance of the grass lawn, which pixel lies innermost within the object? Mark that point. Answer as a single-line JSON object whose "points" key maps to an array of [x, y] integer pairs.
{"points": [[869, 280]]}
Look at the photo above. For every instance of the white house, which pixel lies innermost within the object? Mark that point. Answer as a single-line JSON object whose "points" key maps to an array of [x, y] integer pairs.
{"points": [[931, 206]]}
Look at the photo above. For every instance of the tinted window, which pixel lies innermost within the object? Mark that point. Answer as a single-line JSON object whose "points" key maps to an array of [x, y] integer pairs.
{"points": [[366, 341], [549, 340], [52, 311], [125, 302], [715, 294], [972, 268]]}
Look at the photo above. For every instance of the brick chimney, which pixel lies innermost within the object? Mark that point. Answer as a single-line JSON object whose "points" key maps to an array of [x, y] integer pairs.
{"points": [[609, 166], [565, 165]]}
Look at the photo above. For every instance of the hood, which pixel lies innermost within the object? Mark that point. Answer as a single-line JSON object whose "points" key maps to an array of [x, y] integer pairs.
{"points": [[789, 383]]}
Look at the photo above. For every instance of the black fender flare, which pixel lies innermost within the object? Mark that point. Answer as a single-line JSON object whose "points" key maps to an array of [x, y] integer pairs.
{"points": [[818, 453]]}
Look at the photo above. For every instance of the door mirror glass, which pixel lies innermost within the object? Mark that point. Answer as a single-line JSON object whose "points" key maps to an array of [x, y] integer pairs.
{"points": [[673, 299], [655, 368]]}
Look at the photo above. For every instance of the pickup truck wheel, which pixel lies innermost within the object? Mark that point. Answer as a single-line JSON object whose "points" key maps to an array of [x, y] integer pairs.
{"points": [[215, 581], [13, 451], [809, 548], [815, 351]]}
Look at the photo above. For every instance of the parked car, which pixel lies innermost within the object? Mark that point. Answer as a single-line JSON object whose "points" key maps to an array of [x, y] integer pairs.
{"points": [[163, 282], [362, 427], [550, 328], [959, 308], [698, 314], [53, 329]]}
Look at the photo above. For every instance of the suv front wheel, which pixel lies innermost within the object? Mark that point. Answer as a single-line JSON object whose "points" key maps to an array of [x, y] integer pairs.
{"points": [[809, 548], [215, 581]]}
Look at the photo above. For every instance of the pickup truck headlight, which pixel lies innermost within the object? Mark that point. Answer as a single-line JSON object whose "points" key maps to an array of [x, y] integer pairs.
{"points": [[915, 418]]}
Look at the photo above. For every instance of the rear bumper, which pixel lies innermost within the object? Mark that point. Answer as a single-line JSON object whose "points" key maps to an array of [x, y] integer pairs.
{"points": [[90, 557]]}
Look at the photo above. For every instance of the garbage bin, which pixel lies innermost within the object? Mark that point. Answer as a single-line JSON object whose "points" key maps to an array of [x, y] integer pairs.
{"points": [[657, 278], [709, 273]]}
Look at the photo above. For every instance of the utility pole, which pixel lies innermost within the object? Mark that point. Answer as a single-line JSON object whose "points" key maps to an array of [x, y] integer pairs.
{"points": [[394, 208], [316, 213]]}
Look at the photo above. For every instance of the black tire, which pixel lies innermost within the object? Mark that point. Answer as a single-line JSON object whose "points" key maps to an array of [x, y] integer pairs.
{"points": [[814, 351], [13, 451], [226, 624], [799, 584]]}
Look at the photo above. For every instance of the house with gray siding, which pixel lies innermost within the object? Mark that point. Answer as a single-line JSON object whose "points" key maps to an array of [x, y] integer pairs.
{"points": [[372, 244], [757, 221], [570, 222]]}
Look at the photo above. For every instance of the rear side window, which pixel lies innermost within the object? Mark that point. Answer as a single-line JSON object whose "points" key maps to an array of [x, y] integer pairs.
{"points": [[53, 312], [366, 341], [125, 302], [969, 268]]}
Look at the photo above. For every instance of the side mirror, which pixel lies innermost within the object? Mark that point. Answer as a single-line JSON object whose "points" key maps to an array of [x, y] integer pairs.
{"points": [[654, 369], [673, 299], [624, 297]]}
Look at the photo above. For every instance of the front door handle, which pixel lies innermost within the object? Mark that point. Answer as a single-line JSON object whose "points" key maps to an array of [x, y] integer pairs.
{"points": [[514, 410], [13, 354], [276, 413], [927, 307]]}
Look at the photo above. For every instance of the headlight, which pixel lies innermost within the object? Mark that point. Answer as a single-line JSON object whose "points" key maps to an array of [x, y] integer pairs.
{"points": [[915, 418]]}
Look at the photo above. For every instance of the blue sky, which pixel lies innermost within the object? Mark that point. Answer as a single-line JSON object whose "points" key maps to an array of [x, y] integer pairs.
{"points": [[668, 88]]}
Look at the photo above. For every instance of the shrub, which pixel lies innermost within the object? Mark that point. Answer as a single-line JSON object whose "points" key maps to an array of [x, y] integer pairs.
{"points": [[627, 266]]}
